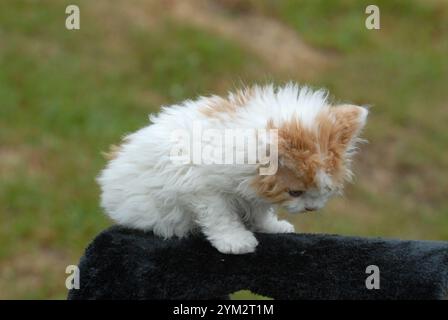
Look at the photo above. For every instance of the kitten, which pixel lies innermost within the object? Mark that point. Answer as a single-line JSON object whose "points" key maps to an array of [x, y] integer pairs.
{"points": [[144, 186]]}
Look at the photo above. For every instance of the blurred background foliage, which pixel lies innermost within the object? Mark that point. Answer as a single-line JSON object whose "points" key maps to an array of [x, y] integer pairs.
{"points": [[65, 96]]}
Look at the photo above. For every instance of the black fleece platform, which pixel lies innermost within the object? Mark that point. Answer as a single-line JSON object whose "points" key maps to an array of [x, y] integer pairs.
{"points": [[128, 264]]}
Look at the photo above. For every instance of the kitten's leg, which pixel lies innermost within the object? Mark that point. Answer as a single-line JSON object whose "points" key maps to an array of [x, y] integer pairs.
{"points": [[223, 227], [267, 222]]}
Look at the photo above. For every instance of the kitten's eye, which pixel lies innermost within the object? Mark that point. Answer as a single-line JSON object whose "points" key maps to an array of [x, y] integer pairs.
{"points": [[295, 193]]}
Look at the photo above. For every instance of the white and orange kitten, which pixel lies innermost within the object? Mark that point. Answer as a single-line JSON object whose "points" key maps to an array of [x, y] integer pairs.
{"points": [[144, 187]]}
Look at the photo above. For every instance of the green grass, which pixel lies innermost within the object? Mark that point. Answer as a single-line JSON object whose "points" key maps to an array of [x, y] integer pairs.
{"points": [[66, 95]]}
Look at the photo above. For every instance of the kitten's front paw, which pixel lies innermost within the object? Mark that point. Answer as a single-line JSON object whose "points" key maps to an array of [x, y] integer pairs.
{"points": [[236, 243], [279, 226]]}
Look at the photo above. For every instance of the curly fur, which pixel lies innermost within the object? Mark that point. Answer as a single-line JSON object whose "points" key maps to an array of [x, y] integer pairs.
{"points": [[143, 188]]}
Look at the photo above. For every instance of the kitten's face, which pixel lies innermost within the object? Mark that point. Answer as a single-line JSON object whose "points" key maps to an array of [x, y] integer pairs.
{"points": [[313, 160]]}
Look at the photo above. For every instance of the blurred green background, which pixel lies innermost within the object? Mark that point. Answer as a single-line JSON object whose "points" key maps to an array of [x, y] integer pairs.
{"points": [[65, 96]]}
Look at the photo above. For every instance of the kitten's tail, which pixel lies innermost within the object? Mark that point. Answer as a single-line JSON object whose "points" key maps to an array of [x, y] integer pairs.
{"points": [[112, 153]]}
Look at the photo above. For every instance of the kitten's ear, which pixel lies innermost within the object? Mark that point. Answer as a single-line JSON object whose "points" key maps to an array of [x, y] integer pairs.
{"points": [[349, 120]]}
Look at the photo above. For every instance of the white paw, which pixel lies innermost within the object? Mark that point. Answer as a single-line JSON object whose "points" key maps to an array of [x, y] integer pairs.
{"points": [[279, 226], [239, 242]]}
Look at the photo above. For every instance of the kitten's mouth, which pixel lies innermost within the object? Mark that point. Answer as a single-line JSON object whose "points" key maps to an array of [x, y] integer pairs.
{"points": [[303, 211], [306, 211]]}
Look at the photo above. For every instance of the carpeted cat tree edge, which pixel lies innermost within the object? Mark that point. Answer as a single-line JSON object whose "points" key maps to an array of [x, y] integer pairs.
{"points": [[128, 264]]}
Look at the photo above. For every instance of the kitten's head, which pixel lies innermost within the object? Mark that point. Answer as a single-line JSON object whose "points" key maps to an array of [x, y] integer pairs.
{"points": [[314, 158]]}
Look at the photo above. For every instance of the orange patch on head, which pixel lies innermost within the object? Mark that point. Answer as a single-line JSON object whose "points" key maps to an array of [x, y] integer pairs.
{"points": [[299, 162], [306, 151], [299, 151], [275, 187]]}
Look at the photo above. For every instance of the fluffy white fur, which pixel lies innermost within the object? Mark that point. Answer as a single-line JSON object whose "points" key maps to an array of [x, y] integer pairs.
{"points": [[142, 188]]}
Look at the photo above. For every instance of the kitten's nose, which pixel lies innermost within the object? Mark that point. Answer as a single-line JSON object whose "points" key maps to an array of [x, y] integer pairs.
{"points": [[310, 209]]}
